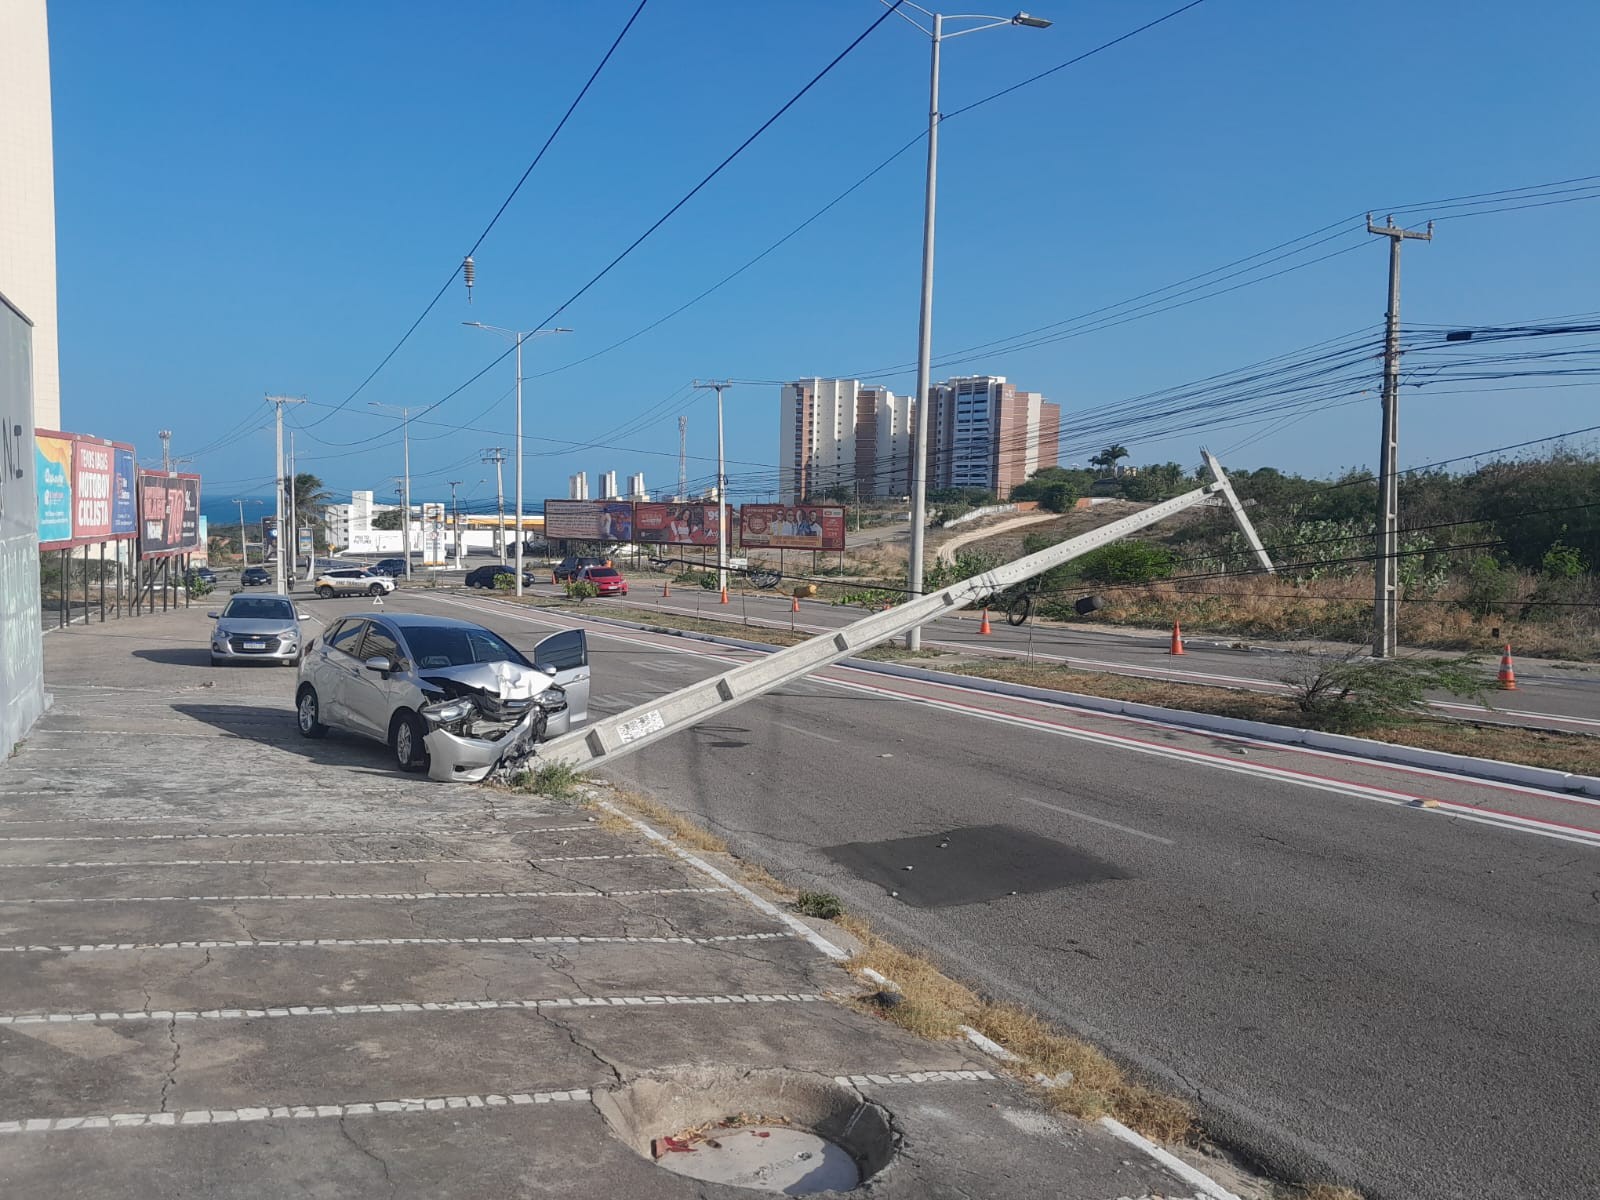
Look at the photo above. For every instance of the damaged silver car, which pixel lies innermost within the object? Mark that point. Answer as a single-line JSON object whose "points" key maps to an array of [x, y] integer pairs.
{"points": [[447, 696]]}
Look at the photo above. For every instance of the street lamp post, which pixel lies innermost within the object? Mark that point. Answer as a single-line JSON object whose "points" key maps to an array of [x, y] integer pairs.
{"points": [[919, 449], [518, 336], [722, 489], [405, 489]]}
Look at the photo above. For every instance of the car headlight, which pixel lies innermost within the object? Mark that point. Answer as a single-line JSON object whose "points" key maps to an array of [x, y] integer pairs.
{"points": [[448, 712], [289, 635], [552, 697]]}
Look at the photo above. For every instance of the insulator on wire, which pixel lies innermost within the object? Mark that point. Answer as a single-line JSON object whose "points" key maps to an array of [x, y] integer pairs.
{"points": [[468, 274]]}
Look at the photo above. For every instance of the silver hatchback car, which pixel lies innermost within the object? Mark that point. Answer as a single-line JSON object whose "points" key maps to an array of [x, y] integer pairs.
{"points": [[447, 696], [257, 628]]}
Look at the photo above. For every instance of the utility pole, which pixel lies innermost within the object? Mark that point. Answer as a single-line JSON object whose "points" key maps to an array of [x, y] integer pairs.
{"points": [[294, 515], [455, 519], [166, 450], [405, 497], [497, 455], [683, 458], [722, 489], [277, 403], [1386, 567]]}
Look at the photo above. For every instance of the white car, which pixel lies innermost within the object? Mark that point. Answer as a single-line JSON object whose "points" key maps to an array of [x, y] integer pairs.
{"points": [[447, 696], [352, 581]]}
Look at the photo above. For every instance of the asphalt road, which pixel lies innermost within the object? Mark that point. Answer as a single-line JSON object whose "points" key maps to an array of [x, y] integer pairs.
{"points": [[1341, 980], [1550, 696]]}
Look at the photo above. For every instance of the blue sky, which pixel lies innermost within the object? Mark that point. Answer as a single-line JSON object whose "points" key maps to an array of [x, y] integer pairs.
{"points": [[257, 199]]}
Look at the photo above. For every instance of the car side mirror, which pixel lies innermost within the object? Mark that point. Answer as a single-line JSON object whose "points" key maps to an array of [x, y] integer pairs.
{"points": [[300, 616], [381, 663], [547, 669], [216, 616]]}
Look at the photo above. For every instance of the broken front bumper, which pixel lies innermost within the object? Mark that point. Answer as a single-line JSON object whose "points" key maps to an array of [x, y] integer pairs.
{"points": [[456, 759]]}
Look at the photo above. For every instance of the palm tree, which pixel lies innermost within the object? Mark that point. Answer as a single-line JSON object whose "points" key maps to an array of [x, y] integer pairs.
{"points": [[1106, 460], [309, 499]]}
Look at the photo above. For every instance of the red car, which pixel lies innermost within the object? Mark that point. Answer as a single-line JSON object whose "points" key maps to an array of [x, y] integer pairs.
{"points": [[608, 579]]}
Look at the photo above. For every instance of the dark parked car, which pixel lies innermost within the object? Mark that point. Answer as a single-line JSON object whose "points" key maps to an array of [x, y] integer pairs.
{"points": [[204, 575], [488, 577], [388, 566], [570, 566], [255, 576]]}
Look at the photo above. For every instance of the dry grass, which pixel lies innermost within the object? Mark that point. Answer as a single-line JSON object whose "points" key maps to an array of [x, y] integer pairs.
{"points": [[936, 1006], [1556, 751], [670, 821]]}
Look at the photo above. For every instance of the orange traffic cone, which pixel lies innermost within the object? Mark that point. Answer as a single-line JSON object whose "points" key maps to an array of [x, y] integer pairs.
{"points": [[1508, 676], [1177, 640], [553, 577], [794, 605], [666, 588], [983, 626], [724, 595]]}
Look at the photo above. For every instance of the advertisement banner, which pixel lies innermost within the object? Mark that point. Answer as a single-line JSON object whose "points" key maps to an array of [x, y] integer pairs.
{"points": [[169, 514], [693, 524], [52, 460], [589, 520], [124, 512], [792, 526], [92, 472]]}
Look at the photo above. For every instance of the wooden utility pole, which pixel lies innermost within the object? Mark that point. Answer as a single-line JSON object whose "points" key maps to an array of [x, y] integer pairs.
{"points": [[1386, 566]]}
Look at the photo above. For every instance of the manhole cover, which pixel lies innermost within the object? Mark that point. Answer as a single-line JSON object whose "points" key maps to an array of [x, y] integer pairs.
{"points": [[971, 865], [775, 1131]]}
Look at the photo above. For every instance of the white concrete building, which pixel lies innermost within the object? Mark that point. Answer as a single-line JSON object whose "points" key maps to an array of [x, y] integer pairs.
{"points": [[838, 433], [608, 486], [578, 486], [28, 193], [350, 524], [636, 487]]}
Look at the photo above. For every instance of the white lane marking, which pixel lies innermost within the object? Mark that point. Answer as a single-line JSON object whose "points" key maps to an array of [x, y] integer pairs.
{"points": [[327, 862], [808, 732], [900, 1078], [596, 893], [1208, 1187], [309, 833], [282, 1112], [1487, 713], [730, 884], [554, 939], [166, 1015], [1083, 816]]}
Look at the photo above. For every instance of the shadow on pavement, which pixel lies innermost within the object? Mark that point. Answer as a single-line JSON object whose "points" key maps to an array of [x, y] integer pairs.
{"points": [[275, 726]]}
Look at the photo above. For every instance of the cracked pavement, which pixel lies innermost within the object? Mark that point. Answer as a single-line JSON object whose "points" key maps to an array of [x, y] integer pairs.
{"points": [[254, 1069]]}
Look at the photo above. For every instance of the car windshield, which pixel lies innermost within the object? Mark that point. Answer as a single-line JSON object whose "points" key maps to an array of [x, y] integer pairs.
{"points": [[259, 608], [456, 647]]}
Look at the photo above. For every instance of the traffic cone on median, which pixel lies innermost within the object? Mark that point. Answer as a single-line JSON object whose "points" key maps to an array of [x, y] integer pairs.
{"points": [[666, 588], [1177, 640], [794, 605], [983, 626], [1508, 676], [724, 595]]}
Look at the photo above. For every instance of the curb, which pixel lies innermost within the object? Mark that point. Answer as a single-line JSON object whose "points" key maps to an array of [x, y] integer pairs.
{"points": [[1542, 778]]}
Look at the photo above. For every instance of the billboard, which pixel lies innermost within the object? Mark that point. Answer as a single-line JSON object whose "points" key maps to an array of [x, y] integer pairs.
{"points": [[693, 524], [83, 488], [169, 514], [792, 526], [589, 520]]}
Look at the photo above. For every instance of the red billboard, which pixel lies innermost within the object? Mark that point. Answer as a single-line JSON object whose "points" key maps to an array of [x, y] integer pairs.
{"points": [[678, 524], [169, 514], [85, 492], [792, 526]]}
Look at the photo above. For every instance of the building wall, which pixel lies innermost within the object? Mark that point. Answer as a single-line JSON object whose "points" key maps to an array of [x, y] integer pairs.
{"points": [[22, 696], [28, 194]]}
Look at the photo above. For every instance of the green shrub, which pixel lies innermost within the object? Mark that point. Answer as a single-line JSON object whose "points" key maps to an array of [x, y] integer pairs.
{"points": [[823, 905], [1562, 561], [1346, 695], [582, 589], [505, 583], [1130, 561]]}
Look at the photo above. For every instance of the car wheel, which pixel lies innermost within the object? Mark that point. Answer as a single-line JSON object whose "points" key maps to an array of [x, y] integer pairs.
{"points": [[405, 739], [376, 589], [292, 662], [308, 713], [324, 591], [215, 661]]}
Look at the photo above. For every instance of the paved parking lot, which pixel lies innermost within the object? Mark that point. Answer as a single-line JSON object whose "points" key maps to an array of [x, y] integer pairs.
{"points": [[236, 963]]}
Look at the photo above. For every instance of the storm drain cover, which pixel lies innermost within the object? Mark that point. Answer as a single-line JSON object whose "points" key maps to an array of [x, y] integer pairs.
{"points": [[971, 865]]}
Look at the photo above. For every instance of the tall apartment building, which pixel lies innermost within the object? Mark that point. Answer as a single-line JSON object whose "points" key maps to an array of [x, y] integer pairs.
{"points": [[608, 486], [982, 433], [578, 486], [985, 433], [636, 487], [839, 433]]}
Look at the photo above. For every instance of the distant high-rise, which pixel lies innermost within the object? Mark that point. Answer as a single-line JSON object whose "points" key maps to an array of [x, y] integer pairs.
{"points": [[608, 486], [578, 486], [636, 487], [984, 433], [28, 194], [837, 433]]}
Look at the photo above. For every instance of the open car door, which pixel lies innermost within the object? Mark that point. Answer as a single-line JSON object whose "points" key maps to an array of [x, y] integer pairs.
{"points": [[568, 653]]}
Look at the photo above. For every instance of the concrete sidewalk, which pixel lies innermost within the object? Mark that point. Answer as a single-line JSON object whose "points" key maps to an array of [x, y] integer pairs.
{"points": [[237, 963]]}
